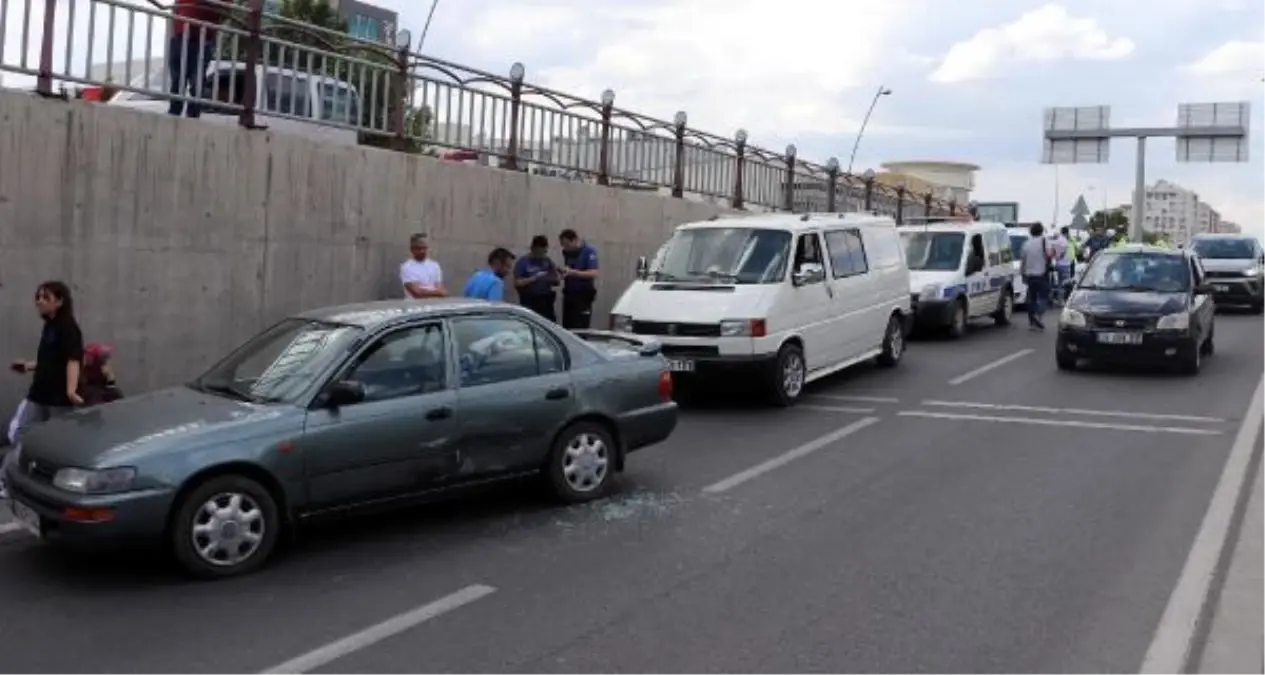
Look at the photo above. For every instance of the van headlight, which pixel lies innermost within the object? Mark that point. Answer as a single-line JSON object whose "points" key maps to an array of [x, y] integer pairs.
{"points": [[1178, 321], [94, 482], [929, 292], [1072, 318], [621, 323]]}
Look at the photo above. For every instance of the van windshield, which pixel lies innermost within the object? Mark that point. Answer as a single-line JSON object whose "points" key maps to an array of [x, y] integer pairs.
{"points": [[735, 255], [933, 251]]}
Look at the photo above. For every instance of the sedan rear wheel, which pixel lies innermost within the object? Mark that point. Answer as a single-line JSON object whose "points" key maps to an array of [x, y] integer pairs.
{"points": [[582, 463]]}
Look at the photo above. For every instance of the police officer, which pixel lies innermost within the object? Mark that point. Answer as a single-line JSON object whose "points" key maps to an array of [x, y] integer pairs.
{"points": [[535, 277], [579, 280]]}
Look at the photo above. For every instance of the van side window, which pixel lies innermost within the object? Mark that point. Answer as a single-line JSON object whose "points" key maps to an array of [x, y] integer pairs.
{"points": [[882, 247], [287, 94], [808, 251], [1007, 254], [977, 250], [992, 248], [847, 253]]}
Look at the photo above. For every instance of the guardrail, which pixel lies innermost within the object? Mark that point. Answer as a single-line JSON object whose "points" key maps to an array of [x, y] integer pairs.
{"points": [[269, 69]]}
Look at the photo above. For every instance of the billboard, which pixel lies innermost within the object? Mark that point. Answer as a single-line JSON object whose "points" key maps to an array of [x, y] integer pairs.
{"points": [[997, 212]]}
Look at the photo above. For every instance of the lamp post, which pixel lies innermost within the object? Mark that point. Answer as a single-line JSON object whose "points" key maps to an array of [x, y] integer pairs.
{"points": [[869, 189], [882, 91], [740, 161]]}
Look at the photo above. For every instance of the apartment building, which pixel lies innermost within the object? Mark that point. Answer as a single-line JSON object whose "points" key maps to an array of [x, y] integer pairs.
{"points": [[1177, 212]]}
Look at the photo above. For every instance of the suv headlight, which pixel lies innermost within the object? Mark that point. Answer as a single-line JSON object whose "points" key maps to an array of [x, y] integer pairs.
{"points": [[743, 328], [1178, 321], [1072, 318], [1251, 272], [930, 292], [621, 323], [93, 482]]}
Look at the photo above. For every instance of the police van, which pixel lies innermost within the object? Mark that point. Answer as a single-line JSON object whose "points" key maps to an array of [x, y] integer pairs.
{"points": [[959, 270]]}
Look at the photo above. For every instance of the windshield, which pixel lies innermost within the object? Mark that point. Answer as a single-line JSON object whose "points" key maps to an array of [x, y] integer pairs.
{"points": [[1141, 272], [277, 365], [1224, 249], [1016, 245], [737, 255], [939, 251]]}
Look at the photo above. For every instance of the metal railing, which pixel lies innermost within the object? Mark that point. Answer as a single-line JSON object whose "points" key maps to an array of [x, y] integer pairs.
{"points": [[268, 69]]}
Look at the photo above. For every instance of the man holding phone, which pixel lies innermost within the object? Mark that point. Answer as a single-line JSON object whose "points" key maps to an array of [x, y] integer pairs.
{"points": [[535, 277]]}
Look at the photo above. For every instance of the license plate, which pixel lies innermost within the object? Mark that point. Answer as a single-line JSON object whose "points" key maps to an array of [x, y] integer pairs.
{"points": [[1120, 338], [680, 365], [28, 519], [1220, 288]]}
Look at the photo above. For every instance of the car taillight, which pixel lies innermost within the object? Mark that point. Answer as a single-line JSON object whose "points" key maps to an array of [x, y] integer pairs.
{"points": [[665, 386]]}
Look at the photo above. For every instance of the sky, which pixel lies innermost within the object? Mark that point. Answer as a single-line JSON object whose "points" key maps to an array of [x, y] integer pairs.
{"points": [[969, 81]]}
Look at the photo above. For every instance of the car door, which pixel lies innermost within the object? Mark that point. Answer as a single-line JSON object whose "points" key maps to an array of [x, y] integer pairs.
{"points": [[401, 437], [514, 392], [983, 300], [854, 293], [811, 307]]}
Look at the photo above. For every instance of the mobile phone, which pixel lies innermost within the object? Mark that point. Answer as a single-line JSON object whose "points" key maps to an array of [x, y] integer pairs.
{"points": [[17, 367]]}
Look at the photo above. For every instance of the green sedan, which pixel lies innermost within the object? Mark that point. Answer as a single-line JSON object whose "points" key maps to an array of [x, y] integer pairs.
{"points": [[341, 408]]}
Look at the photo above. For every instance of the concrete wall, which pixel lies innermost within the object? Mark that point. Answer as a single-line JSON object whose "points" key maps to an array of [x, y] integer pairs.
{"points": [[180, 238]]}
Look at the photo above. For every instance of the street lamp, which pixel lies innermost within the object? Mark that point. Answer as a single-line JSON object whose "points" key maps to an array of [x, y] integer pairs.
{"points": [[608, 98], [517, 72], [882, 91], [402, 38]]}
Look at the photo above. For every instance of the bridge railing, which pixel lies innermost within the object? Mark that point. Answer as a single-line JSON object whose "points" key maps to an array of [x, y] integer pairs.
{"points": [[266, 69]]}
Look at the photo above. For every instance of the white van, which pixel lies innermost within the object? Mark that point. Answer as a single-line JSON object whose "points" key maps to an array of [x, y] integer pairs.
{"points": [[789, 298], [288, 101], [958, 271]]}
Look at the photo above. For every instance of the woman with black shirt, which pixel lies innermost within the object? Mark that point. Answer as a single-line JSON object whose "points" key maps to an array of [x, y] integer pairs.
{"points": [[55, 380]]}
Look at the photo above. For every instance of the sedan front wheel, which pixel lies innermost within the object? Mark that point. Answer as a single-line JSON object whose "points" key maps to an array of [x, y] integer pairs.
{"points": [[227, 526]]}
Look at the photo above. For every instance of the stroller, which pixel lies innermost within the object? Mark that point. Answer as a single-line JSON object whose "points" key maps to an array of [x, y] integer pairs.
{"points": [[96, 386]]}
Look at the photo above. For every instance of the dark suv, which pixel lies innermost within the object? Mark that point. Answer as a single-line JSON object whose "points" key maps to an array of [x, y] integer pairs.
{"points": [[1142, 305], [1235, 264]]}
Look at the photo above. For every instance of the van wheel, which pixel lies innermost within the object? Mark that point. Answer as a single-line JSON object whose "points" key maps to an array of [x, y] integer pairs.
{"points": [[788, 376], [1005, 307], [893, 342], [957, 323]]}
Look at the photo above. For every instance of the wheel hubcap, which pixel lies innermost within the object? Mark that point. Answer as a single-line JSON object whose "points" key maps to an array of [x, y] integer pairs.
{"points": [[792, 375], [228, 529], [585, 462], [895, 339]]}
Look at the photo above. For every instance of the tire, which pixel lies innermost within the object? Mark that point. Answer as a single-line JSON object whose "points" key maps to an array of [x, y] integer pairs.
{"points": [[957, 323], [893, 342], [245, 507], [1209, 347], [1258, 307], [582, 462], [1065, 361], [1193, 362], [1005, 307], [786, 382]]}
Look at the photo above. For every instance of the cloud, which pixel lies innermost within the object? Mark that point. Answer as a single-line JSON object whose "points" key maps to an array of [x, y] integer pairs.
{"points": [[1046, 34], [1232, 59]]}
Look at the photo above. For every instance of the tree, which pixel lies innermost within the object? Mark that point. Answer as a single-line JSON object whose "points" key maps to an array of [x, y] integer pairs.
{"points": [[1113, 219]]}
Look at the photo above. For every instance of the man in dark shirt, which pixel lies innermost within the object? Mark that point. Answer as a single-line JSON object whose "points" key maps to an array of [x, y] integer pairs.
{"points": [[535, 277], [579, 280]]}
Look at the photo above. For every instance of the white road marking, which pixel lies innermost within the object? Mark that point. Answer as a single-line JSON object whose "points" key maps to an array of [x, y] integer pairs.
{"points": [[858, 399], [9, 528], [834, 408], [381, 631], [788, 456], [1171, 646], [1061, 423], [1074, 411], [966, 377]]}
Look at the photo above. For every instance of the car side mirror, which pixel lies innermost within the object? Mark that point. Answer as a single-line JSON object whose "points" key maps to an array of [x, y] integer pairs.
{"points": [[643, 267], [808, 273], [344, 392]]}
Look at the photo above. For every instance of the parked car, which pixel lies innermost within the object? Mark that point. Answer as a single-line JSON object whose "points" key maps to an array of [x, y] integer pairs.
{"points": [[344, 407], [1139, 304], [786, 298], [959, 271], [1235, 264]]}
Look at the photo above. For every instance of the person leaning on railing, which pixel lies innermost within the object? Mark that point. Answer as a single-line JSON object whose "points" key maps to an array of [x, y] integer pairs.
{"points": [[189, 51]]}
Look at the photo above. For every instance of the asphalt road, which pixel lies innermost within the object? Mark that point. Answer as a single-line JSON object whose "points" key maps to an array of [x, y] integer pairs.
{"points": [[942, 516]]}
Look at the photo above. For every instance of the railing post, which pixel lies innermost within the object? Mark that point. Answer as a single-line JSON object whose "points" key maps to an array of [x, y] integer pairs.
{"points": [[788, 199], [517, 72], [926, 205], [869, 189], [740, 167], [953, 207], [604, 152], [678, 175], [398, 113], [254, 53], [900, 205], [832, 184], [44, 83]]}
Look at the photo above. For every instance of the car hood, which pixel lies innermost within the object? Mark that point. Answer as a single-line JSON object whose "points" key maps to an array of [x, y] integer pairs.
{"points": [[1228, 264], [1123, 303], [118, 432], [693, 303]]}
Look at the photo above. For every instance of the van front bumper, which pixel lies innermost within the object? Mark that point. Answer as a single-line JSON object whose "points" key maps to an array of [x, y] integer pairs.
{"points": [[937, 312]]}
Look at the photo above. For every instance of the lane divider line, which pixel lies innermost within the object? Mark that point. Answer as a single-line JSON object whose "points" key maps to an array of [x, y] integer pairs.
{"points": [[1074, 411], [967, 377], [788, 456], [381, 631], [834, 408], [857, 399], [1061, 423]]}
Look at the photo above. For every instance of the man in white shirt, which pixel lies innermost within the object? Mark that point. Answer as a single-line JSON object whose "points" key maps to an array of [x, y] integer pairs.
{"points": [[421, 276], [1034, 267]]}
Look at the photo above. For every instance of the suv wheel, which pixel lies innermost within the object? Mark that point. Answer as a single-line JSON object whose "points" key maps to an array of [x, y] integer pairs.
{"points": [[788, 375]]}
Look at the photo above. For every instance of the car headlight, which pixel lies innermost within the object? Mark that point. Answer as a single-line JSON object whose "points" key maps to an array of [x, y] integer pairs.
{"points": [[1072, 318], [621, 323], [92, 482], [742, 328], [1251, 272], [930, 292], [1178, 321]]}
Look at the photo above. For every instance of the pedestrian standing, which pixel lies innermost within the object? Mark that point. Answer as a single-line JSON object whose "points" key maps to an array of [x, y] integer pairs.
{"points": [[55, 371], [189, 49], [420, 275], [489, 283], [536, 277], [579, 280], [1034, 267]]}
